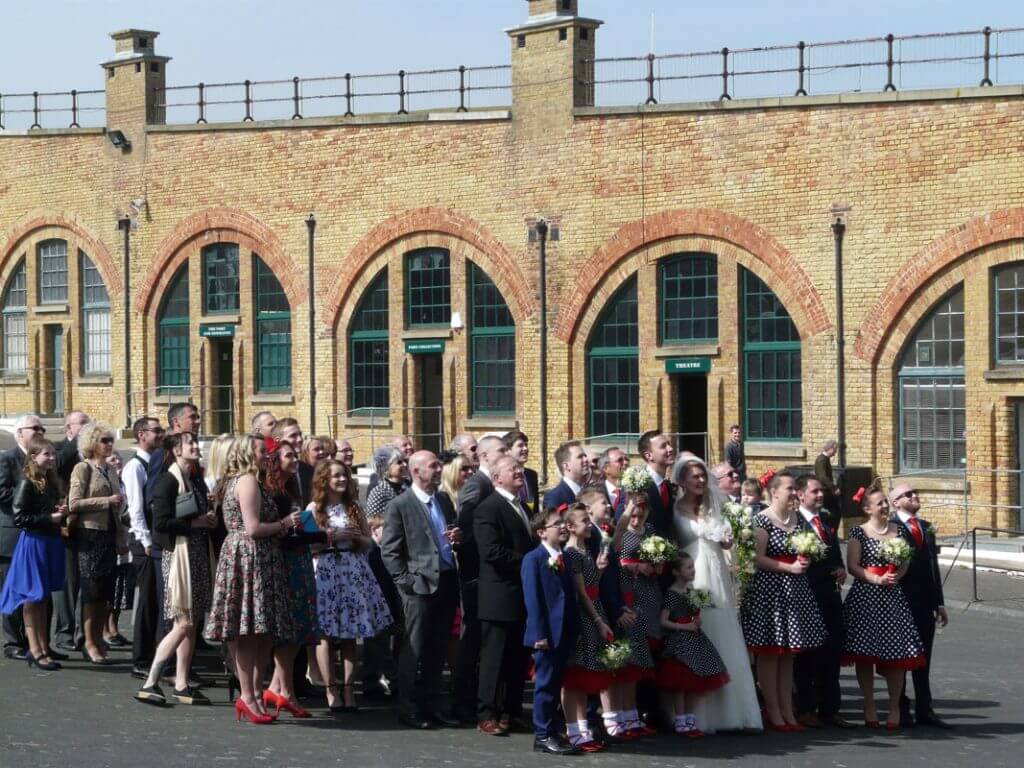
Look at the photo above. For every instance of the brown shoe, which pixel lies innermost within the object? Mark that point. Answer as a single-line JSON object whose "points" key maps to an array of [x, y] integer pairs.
{"points": [[515, 725], [491, 728], [810, 720], [839, 722]]}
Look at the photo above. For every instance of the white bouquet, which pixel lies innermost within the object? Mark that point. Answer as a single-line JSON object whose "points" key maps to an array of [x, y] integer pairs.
{"points": [[714, 530], [636, 480], [657, 550], [895, 552]]}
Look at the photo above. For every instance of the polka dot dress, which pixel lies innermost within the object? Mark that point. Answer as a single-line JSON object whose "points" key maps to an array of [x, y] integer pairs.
{"points": [[880, 628], [689, 662], [644, 596], [585, 672], [779, 613]]}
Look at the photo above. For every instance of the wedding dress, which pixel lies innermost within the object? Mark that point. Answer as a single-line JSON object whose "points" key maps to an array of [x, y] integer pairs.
{"points": [[734, 706]]}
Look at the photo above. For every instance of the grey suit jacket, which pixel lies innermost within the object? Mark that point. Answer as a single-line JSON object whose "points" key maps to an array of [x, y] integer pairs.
{"points": [[408, 547]]}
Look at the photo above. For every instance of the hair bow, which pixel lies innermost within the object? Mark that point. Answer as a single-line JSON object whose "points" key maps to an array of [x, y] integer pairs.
{"points": [[859, 495], [561, 509], [766, 478], [271, 445]]}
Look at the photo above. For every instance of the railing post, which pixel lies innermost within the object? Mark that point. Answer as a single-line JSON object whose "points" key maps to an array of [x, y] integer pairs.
{"points": [[889, 85], [35, 110], [202, 104], [74, 109], [1, 111], [348, 95], [295, 99], [974, 562], [725, 76], [986, 81], [462, 90], [650, 80], [248, 102], [401, 93], [800, 90]]}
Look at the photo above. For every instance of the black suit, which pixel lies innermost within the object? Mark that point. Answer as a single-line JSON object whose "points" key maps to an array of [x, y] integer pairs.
{"points": [[532, 491], [304, 475], [823, 472], [816, 672], [922, 586], [503, 538], [67, 610], [660, 515], [11, 463]]}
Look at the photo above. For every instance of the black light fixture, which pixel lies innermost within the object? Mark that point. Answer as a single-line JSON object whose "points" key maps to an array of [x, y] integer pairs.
{"points": [[119, 140]]}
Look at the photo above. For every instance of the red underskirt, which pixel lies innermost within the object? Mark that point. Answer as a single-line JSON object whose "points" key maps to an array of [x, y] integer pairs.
{"points": [[774, 650], [633, 674], [586, 680], [675, 676], [914, 663], [655, 643]]}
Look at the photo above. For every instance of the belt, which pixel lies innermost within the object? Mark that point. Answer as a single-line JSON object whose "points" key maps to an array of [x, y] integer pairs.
{"points": [[631, 561], [881, 570], [592, 592], [784, 558], [687, 619]]}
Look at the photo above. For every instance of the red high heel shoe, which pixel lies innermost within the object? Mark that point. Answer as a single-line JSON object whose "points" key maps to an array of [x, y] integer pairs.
{"points": [[871, 723], [242, 710], [271, 699]]}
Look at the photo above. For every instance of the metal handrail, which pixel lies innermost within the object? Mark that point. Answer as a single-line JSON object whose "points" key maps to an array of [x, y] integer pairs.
{"points": [[378, 417], [33, 375], [203, 396], [974, 553]]}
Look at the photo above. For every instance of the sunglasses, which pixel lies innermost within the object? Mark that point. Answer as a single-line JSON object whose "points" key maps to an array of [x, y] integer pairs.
{"points": [[40, 430], [906, 495], [107, 440]]}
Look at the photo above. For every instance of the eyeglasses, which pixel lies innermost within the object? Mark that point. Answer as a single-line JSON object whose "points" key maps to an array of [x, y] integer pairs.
{"points": [[906, 495], [107, 440], [155, 430], [559, 524], [40, 429]]}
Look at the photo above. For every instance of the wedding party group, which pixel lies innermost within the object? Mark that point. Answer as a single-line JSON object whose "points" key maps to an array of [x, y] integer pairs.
{"points": [[666, 595]]}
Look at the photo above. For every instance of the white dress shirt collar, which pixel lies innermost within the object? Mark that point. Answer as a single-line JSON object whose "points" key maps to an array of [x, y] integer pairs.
{"points": [[807, 514], [422, 495], [551, 550], [575, 488], [658, 479], [904, 516]]}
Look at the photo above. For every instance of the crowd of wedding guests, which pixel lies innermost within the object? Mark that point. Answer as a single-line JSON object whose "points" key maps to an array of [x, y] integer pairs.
{"points": [[268, 549]]}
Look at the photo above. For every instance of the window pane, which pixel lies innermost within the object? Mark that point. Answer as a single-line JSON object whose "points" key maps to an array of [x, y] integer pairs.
{"points": [[618, 325], [94, 292], [369, 376], [492, 346], [275, 355], [220, 277], [96, 340], [173, 336], [932, 419], [614, 367], [270, 296], [428, 287], [53, 271], [1008, 286], [689, 298], [15, 342], [765, 319], [939, 340]]}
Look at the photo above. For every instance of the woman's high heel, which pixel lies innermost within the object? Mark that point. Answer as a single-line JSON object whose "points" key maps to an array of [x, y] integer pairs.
{"points": [[271, 699], [871, 723], [242, 710], [348, 707]]}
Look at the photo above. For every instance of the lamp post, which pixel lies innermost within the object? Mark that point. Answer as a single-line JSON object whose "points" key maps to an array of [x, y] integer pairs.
{"points": [[838, 232], [542, 234], [311, 288], [124, 224]]}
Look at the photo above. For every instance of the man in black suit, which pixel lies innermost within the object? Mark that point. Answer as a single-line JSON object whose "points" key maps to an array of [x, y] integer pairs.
{"points": [[11, 463], [287, 430], [418, 550], [518, 445], [817, 671], [476, 489], [823, 471], [922, 586], [571, 460], [503, 537], [67, 632], [659, 453]]}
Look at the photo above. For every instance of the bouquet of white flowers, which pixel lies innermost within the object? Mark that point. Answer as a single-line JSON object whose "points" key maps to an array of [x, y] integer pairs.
{"points": [[741, 518], [699, 599], [807, 544], [636, 480], [895, 552], [714, 530], [615, 655], [657, 550]]}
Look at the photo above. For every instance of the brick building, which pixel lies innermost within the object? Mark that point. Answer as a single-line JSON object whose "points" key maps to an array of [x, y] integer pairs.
{"points": [[690, 285]]}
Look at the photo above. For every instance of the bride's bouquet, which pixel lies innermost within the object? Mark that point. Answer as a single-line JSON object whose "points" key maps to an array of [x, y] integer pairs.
{"points": [[741, 519], [895, 552], [714, 530], [807, 545], [657, 550], [635, 480]]}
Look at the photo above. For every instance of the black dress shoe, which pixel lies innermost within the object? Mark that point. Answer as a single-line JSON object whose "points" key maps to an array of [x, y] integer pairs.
{"points": [[69, 647], [140, 673], [933, 720], [13, 652], [442, 720], [414, 721], [57, 656], [554, 745]]}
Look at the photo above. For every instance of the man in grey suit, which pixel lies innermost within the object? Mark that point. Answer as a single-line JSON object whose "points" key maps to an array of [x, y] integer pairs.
{"points": [[418, 551]]}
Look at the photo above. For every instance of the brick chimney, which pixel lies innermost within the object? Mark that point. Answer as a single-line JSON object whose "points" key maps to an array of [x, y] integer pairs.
{"points": [[135, 80]]}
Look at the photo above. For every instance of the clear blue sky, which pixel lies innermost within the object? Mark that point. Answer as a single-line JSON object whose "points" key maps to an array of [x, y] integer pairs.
{"points": [[58, 44]]}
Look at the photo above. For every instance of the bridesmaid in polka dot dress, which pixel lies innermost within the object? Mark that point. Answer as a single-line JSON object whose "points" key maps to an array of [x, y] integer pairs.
{"points": [[880, 629], [780, 616]]}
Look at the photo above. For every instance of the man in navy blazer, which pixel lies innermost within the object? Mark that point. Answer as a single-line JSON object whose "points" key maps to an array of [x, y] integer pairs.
{"points": [[552, 626], [659, 453], [571, 460]]}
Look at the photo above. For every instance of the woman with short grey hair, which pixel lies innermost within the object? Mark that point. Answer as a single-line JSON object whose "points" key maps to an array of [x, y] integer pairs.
{"points": [[393, 470]]}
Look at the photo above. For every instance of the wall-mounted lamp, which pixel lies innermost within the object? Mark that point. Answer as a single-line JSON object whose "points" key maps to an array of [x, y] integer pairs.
{"points": [[119, 140], [457, 324]]}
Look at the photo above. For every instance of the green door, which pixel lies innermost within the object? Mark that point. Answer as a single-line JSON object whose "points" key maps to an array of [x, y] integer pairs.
{"points": [[223, 400]]}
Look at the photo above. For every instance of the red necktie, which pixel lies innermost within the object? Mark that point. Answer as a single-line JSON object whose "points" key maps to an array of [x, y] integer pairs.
{"points": [[816, 522], [664, 494], [915, 531], [617, 499]]}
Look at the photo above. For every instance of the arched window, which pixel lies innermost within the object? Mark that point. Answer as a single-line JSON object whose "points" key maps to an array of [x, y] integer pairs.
{"points": [[173, 335], [492, 347], [53, 271], [688, 284], [368, 376], [772, 399], [95, 319], [273, 331], [428, 293], [1008, 287], [15, 331], [932, 409], [613, 366]]}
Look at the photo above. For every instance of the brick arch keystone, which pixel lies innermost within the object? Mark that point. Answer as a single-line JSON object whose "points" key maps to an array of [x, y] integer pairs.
{"points": [[801, 298], [971, 236], [94, 248], [236, 226], [439, 220]]}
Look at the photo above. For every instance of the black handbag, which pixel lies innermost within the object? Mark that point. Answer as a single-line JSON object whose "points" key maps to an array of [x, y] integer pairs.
{"points": [[186, 507]]}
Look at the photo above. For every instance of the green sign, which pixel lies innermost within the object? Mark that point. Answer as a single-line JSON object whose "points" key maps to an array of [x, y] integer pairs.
{"points": [[425, 347], [225, 331], [688, 365]]}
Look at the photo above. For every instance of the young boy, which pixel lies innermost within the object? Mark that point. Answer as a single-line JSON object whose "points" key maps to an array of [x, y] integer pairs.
{"points": [[379, 652], [552, 623]]}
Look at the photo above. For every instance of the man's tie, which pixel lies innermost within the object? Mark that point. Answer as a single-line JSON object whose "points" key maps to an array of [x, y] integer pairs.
{"points": [[816, 522], [524, 494], [617, 499], [521, 512], [664, 494], [915, 531]]}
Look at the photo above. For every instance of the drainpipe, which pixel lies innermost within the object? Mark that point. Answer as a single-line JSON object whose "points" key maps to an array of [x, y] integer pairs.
{"points": [[838, 231], [311, 228], [542, 233], [125, 225]]}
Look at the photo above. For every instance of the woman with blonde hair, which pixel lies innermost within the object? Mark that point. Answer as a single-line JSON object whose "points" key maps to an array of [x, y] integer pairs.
{"points": [[216, 464], [454, 475], [95, 502], [250, 604]]}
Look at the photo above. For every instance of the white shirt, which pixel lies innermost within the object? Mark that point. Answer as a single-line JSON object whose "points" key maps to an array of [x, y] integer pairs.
{"points": [[422, 495], [658, 479], [612, 489], [514, 501], [904, 517], [573, 486], [551, 550], [808, 515], [485, 471], [134, 479]]}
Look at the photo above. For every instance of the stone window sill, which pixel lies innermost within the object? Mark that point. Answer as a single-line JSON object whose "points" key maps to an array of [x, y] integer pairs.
{"points": [[491, 423], [688, 350], [1005, 373], [14, 381], [952, 482], [50, 309], [273, 398], [774, 450], [99, 380], [380, 422]]}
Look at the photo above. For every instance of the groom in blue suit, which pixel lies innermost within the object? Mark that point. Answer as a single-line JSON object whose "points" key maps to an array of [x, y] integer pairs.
{"points": [[552, 626]]}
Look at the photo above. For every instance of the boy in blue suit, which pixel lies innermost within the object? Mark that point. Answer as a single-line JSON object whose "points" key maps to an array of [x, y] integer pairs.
{"points": [[552, 625]]}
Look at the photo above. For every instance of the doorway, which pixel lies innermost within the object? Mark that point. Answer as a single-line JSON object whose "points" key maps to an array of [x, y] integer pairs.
{"points": [[222, 409], [53, 399], [1019, 424], [692, 414], [430, 430]]}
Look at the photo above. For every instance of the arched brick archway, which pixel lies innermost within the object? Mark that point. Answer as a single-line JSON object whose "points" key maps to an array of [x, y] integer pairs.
{"points": [[923, 266], [229, 224], [794, 286], [503, 267]]}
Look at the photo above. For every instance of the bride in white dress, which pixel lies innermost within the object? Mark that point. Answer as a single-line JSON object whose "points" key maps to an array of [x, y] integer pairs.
{"points": [[703, 533]]}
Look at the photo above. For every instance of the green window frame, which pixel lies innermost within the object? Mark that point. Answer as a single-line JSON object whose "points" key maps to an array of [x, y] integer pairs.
{"points": [[221, 279], [688, 288], [428, 289], [53, 271], [932, 407], [772, 383], [492, 347], [173, 375], [15, 322], [613, 368], [369, 376], [273, 331], [1008, 310], [95, 319]]}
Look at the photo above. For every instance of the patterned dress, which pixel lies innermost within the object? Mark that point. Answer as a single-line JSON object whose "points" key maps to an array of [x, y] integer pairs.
{"points": [[644, 596], [200, 576], [585, 672], [880, 628], [779, 612], [350, 603], [250, 590], [689, 662]]}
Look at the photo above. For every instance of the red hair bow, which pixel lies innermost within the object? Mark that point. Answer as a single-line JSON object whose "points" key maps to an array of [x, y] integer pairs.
{"points": [[562, 509], [859, 495], [766, 478], [270, 444]]}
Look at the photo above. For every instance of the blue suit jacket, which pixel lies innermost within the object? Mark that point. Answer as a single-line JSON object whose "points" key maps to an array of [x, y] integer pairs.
{"points": [[559, 495], [552, 612]]}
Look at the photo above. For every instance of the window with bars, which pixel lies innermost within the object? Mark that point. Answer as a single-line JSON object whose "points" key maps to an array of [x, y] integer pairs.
{"points": [[1008, 303], [173, 337], [613, 367], [428, 291], [369, 377], [95, 319], [220, 278], [492, 347], [689, 298], [932, 393], [273, 331], [53, 271], [772, 386], [15, 328]]}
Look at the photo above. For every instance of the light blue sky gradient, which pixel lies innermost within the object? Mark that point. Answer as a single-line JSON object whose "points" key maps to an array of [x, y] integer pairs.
{"points": [[58, 44]]}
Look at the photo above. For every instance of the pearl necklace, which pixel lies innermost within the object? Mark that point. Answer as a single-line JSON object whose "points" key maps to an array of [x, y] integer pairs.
{"points": [[882, 532]]}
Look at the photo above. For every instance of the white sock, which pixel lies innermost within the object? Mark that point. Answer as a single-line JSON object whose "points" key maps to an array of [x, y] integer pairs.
{"points": [[679, 721], [633, 717], [584, 729], [572, 731], [612, 723]]}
